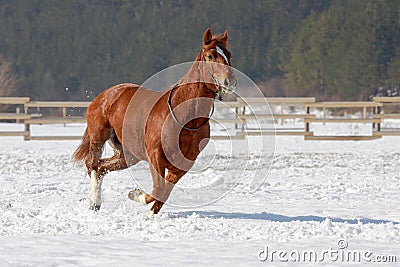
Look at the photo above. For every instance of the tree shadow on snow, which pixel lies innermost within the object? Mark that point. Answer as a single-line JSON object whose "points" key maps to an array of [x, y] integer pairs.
{"points": [[276, 217]]}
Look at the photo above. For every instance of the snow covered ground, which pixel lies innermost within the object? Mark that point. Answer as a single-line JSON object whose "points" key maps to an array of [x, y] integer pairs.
{"points": [[338, 197]]}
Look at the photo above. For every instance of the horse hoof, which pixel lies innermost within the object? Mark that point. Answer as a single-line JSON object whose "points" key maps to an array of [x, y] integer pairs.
{"points": [[95, 207], [138, 196]]}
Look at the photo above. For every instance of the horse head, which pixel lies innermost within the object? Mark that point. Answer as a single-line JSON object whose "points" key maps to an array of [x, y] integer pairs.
{"points": [[217, 68]]}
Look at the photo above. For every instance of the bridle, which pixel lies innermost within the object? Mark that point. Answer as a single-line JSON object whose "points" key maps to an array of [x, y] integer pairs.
{"points": [[216, 82], [169, 102]]}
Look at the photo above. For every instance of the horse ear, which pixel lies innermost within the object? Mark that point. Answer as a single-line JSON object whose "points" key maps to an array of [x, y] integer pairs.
{"points": [[207, 37], [224, 38]]}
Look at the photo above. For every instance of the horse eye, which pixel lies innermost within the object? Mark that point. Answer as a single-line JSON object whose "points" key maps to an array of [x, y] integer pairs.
{"points": [[210, 57]]}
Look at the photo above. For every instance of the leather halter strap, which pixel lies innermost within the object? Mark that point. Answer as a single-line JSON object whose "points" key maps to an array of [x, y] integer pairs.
{"points": [[171, 111]]}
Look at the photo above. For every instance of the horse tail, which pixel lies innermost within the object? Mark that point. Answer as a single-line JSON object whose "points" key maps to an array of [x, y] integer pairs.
{"points": [[83, 149]]}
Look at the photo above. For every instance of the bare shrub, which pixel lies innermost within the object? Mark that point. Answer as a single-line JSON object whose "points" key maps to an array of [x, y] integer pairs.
{"points": [[8, 80]]}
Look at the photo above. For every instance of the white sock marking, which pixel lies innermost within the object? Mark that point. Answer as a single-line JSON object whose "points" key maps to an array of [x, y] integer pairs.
{"points": [[150, 214], [138, 196], [142, 198], [96, 188]]}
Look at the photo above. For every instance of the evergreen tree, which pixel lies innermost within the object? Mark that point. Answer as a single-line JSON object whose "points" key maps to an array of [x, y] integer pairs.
{"points": [[334, 49]]}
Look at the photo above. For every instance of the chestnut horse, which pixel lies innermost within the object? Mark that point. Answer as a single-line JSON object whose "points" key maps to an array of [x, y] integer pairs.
{"points": [[167, 129]]}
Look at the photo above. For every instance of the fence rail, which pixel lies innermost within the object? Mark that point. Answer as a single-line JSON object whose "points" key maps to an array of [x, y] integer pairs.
{"points": [[373, 113]]}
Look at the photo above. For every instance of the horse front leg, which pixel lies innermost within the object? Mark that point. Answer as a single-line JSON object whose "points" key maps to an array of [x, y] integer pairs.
{"points": [[142, 197], [170, 181], [157, 169]]}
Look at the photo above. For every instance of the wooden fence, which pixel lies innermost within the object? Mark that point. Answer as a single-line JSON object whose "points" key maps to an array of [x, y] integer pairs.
{"points": [[244, 110], [32, 114]]}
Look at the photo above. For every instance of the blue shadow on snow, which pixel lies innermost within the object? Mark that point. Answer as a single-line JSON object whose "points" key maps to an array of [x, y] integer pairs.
{"points": [[276, 217]]}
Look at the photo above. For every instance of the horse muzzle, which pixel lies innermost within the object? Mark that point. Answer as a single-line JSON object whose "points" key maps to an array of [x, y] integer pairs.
{"points": [[228, 86]]}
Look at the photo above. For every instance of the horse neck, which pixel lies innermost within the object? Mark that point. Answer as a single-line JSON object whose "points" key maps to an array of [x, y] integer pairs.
{"points": [[193, 90]]}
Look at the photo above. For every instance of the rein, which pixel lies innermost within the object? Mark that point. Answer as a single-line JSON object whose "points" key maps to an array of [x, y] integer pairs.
{"points": [[176, 119]]}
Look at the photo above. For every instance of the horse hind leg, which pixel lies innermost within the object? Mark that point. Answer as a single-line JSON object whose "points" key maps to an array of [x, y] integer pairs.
{"points": [[95, 197], [92, 163], [115, 143], [119, 160]]}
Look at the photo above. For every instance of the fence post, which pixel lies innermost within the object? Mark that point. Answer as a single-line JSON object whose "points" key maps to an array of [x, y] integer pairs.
{"points": [[27, 131], [244, 121], [307, 124], [17, 111], [378, 111], [64, 114], [237, 113]]}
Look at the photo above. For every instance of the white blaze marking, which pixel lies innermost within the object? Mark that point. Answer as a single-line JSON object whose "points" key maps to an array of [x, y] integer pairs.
{"points": [[221, 52]]}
